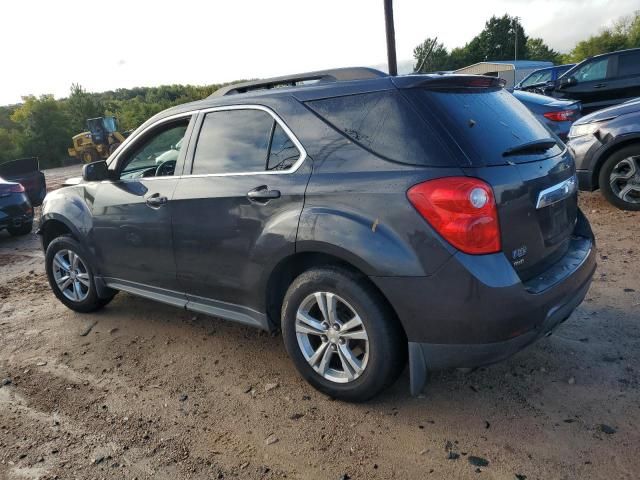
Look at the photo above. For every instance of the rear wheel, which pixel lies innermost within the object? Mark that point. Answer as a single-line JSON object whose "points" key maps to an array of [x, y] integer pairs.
{"points": [[23, 229], [71, 277], [619, 178], [340, 334]]}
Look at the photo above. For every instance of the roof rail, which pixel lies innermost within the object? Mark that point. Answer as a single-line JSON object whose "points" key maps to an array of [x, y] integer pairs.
{"points": [[334, 75]]}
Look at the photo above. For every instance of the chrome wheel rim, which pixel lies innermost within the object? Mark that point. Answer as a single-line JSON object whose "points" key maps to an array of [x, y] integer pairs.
{"points": [[71, 275], [625, 179], [332, 337]]}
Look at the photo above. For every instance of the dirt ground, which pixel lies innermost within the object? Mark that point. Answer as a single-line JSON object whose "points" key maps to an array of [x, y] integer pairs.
{"points": [[151, 391]]}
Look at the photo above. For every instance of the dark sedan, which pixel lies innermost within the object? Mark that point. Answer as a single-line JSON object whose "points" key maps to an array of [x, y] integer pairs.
{"points": [[606, 148], [26, 172], [556, 114], [16, 213]]}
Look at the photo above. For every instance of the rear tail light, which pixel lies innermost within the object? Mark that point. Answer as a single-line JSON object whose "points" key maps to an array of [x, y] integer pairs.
{"points": [[462, 210], [11, 188], [561, 115]]}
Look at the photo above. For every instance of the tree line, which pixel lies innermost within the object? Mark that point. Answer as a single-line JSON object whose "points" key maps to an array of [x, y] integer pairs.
{"points": [[503, 37], [43, 126]]}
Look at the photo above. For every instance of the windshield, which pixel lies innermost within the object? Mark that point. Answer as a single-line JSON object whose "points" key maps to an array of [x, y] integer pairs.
{"points": [[541, 76]]}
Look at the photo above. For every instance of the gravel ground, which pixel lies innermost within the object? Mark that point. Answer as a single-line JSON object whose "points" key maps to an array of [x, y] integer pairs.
{"points": [[144, 390]]}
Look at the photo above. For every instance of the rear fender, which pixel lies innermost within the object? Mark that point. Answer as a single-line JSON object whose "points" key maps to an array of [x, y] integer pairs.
{"points": [[372, 247]]}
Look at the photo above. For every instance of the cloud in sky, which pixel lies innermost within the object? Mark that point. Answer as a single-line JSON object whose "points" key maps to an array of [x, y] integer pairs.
{"points": [[203, 42]]}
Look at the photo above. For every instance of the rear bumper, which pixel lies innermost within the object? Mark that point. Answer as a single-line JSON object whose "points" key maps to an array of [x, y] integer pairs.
{"points": [[15, 212], [475, 310]]}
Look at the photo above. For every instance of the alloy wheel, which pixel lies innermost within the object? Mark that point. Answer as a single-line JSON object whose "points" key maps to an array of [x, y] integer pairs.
{"points": [[332, 337], [71, 275], [625, 179]]}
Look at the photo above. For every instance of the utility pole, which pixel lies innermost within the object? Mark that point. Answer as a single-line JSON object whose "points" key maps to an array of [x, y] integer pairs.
{"points": [[515, 29], [391, 38]]}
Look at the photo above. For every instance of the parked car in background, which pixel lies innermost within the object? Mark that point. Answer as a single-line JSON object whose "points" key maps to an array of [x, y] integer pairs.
{"points": [[606, 148], [556, 114], [26, 171], [16, 212], [601, 81], [537, 81], [369, 217]]}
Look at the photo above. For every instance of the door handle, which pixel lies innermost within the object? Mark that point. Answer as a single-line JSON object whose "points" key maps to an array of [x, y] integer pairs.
{"points": [[600, 85], [156, 200], [262, 194]]}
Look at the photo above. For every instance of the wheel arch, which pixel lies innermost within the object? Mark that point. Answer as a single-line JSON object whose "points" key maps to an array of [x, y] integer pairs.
{"points": [[53, 226], [286, 271]]}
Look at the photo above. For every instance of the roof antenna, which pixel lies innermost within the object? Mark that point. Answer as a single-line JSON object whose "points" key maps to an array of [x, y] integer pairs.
{"points": [[391, 38]]}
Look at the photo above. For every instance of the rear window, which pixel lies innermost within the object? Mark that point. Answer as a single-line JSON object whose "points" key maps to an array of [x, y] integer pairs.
{"points": [[485, 123], [386, 124]]}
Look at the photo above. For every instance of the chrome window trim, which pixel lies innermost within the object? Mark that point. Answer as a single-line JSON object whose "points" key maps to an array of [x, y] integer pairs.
{"points": [[278, 120], [558, 192], [129, 142]]}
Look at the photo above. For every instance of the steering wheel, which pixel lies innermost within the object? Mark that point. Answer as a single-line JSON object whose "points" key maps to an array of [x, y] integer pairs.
{"points": [[166, 169]]}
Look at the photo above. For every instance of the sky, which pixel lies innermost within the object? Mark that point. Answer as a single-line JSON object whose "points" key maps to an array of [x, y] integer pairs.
{"points": [[48, 45]]}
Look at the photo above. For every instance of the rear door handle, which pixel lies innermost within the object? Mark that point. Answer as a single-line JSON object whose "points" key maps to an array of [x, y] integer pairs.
{"points": [[600, 85], [262, 194], [156, 200]]}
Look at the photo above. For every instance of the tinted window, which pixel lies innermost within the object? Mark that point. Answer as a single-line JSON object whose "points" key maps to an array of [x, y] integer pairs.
{"points": [[592, 71], [161, 146], [283, 153], [233, 141], [386, 124], [485, 123], [629, 64]]}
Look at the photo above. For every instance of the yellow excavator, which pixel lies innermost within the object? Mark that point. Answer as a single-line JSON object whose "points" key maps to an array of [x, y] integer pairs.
{"points": [[98, 142]]}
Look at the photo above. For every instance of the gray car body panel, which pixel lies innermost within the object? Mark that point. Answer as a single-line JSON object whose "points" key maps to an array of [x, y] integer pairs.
{"points": [[211, 250]]}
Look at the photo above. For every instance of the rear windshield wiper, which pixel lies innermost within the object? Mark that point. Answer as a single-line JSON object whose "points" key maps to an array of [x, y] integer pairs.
{"points": [[530, 148]]}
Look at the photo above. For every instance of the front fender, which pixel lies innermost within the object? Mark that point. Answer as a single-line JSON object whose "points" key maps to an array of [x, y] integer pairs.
{"points": [[366, 243]]}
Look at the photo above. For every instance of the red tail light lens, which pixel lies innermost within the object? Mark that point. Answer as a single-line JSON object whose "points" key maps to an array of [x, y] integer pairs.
{"points": [[462, 210], [560, 116]]}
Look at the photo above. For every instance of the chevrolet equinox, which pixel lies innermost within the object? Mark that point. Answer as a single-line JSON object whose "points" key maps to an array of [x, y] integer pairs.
{"points": [[370, 218]]}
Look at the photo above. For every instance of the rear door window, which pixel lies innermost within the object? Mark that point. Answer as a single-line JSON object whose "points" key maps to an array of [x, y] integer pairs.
{"points": [[283, 153], [233, 141], [629, 64]]}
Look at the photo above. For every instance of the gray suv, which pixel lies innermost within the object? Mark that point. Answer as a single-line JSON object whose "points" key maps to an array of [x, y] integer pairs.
{"points": [[370, 218]]}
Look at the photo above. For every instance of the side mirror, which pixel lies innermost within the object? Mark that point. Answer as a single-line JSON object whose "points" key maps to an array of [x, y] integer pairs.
{"points": [[567, 81], [95, 171]]}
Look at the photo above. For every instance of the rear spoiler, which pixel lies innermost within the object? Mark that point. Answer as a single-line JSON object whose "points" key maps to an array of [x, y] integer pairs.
{"points": [[449, 82]]}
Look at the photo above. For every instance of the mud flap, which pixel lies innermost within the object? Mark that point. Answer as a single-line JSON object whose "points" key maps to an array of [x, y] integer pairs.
{"points": [[418, 373]]}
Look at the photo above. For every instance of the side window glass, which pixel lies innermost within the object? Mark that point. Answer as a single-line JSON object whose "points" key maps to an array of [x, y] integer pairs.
{"points": [[629, 64], [233, 141], [593, 71], [283, 153], [157, 154]]}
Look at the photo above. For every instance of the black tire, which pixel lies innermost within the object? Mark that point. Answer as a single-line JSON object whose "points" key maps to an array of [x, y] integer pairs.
{"points": [[605, 173], [23, 229], [387, 347], [92, 301]]}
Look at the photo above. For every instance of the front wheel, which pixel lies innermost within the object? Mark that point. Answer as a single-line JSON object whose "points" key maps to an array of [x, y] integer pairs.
{"points": [[620, 178], [71, 277], [341, 336]]}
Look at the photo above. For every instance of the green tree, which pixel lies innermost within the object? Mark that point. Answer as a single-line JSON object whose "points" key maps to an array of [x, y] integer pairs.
{"points": [[430, 56], [536, 49], [625, 33], [82, 105], [45, 129], [498, 40]]}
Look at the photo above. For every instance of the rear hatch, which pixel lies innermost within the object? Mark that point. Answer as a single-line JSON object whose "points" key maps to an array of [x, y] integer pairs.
{"points": [[26, 172], [531, 173]]}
